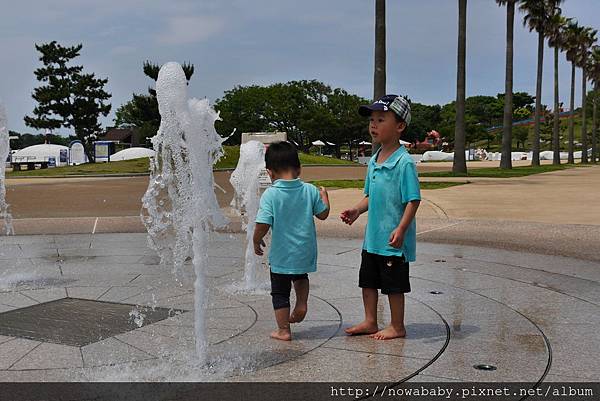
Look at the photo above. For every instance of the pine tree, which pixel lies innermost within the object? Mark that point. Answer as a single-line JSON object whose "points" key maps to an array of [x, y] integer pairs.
{"points": [[67, 97]]}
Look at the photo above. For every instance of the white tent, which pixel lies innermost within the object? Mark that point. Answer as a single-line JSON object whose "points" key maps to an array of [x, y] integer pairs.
{"points": [[41, 153], [364, 143], [433, 155], [132, 153], [318, 143]]}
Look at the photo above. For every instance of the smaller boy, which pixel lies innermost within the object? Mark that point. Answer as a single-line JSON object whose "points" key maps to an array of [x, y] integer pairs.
{"points": [[287, 208]]}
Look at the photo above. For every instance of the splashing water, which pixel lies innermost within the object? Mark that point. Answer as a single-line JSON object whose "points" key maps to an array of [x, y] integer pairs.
{"points": [[180, 201], [245, 182], [4, 149], [137, 317]]}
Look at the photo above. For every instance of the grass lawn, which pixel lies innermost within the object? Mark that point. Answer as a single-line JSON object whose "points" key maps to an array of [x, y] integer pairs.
{"points": [[496, 172], [140, 166], [361, 184], [135, 166]]}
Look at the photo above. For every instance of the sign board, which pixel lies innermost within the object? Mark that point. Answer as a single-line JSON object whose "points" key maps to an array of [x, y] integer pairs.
{"points": [[51, 161], [102, 151], [77, 153], [266, 138], [64, 156]]}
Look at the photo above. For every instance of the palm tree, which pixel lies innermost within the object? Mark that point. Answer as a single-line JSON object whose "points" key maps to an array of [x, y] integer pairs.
{"points": [[536, 18], [506, 159], [587, 39], [556, 39], [594, 71], [459, 165], [573, 32], [379, 75]]}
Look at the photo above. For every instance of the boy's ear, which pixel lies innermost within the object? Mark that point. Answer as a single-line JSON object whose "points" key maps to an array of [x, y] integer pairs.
{"points": [[270, 174], [402, 127]]}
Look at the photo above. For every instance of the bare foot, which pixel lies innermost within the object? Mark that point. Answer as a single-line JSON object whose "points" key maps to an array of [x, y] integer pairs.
{"points": [[389, 332], [362, 328], [282, 334], [298, 314]]}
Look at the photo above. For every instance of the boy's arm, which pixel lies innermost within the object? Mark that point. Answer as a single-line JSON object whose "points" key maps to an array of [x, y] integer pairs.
{"points": [[349, 216], [325, 198], [397, 236], [260, 230], [363, 205]]}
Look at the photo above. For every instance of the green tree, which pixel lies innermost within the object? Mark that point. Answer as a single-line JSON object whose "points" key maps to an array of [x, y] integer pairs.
{"points": [[506, 160], [424, 119], [594, 72], [521, 134], [346, 125], [242, 109], [536, 18], [573, 34], [26, 139], [556, 39], [68, 97], [459, 165], [306, 110], [586, 41]]}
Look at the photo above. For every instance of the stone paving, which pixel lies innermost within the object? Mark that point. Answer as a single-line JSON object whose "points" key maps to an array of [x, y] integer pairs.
{"points": [[533, 317]]}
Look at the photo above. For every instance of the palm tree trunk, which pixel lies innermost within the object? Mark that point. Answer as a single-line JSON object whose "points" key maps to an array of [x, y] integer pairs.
{"points": [[506, 159], [572, 117], [459, 165], [595, 127], [538, 101], [556, 128], [584, 142], [379, 75]]}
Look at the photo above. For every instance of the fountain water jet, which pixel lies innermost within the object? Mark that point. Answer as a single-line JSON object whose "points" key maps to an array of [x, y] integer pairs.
{"points": [[180, 202], [245, 182], [4, 149]]}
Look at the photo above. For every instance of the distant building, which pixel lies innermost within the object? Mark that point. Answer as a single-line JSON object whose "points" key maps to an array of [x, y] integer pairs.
{"points": [[130, 136]]}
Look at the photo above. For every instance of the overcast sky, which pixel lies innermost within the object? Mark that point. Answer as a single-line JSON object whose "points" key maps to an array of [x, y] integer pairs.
{"points": [[244, 42]]}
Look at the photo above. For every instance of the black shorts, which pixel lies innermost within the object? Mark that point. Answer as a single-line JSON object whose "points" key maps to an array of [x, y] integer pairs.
{"points": [[281, 287], [388, 273]]}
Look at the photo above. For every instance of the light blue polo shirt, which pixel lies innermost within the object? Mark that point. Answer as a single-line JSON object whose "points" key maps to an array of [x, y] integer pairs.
{"points": [[288, 206], [390, 186]]}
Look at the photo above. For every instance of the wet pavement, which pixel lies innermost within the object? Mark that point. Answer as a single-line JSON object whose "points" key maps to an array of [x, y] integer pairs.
{"points": [[532, 317]]}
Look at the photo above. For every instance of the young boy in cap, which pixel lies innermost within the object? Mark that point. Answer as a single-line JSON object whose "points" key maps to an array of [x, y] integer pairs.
{"points": [[287, 208], [392, 197]]}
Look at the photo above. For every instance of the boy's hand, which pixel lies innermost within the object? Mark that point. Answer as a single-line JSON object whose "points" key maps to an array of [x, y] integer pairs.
{"points": [[258, 247], [324, 195], [349, 216], [396, 238]]}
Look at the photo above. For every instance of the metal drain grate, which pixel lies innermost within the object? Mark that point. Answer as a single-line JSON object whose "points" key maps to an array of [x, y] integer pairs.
{"points": [[76, 322]]}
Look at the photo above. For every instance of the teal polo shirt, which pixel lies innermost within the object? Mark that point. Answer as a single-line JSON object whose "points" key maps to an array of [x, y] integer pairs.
{"points": [[390, 186], [288, 206]]}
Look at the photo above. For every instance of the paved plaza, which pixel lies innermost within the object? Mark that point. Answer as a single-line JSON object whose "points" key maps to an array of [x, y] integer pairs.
{"points": [[507, 278], [123, 317]]}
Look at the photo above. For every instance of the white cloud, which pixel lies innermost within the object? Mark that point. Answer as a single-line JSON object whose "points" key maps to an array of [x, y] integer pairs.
{"points": [[186, 30]]}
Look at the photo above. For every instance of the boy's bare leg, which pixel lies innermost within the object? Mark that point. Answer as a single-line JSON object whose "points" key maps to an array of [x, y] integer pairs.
{"points": [[283, 332], [369, 325], [396, 328], [301, 287]]}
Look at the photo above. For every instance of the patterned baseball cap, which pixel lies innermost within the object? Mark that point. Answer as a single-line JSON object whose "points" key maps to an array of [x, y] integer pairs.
{"points": [[395, 103]]}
